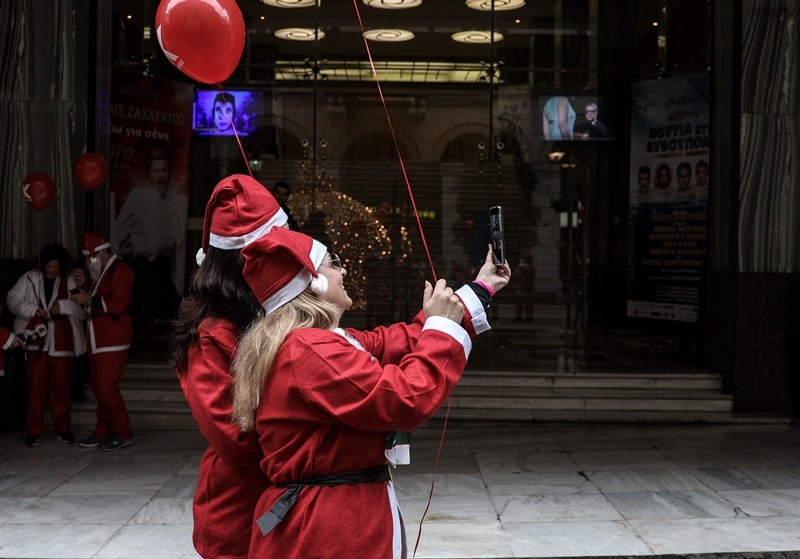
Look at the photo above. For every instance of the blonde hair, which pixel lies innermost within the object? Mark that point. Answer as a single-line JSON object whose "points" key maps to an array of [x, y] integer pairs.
{"points": [[260, 345]]}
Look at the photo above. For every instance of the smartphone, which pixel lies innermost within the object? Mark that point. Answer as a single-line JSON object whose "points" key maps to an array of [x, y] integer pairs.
{"points": [[497, 232], [487, 228]]}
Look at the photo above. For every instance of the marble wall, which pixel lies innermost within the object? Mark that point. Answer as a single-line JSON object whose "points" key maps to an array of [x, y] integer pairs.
{"points": [[769, 194], [758, 304], [43, 116]]}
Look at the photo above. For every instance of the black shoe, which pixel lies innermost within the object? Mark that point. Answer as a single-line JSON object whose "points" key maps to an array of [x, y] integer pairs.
{"points": [[115, 442], [31, 440], [65, 437], [92, 441]]}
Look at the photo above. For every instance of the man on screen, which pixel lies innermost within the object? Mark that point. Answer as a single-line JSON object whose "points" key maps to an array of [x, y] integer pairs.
{"points": [[224, 111], [592, 129]]}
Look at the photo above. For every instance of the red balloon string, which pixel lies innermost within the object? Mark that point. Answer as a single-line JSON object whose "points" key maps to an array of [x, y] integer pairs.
{"points": [[427, 252], [236, 133], [396, 143]]}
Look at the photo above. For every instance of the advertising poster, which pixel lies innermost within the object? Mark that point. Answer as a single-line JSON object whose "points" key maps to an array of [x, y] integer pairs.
{"points": [[151, 138], [669, 183]]}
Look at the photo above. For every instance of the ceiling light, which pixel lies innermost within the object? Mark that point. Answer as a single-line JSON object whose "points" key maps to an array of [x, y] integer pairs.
{"points": [[298, 34], [388, 35], [289, 3], [476, 37], [393, 4], [499, 5]]}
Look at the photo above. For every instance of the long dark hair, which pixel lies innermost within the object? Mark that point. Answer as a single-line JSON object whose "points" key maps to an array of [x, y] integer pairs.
{"points": [[53, 252], [218, 289]]}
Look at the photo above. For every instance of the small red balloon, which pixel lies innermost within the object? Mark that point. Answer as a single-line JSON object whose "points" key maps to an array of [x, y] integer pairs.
{"points": [[91, 169], [38, 190], [204, 39]]}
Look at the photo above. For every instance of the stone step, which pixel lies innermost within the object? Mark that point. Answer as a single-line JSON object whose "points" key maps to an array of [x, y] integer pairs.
{"points": [[144, 416], [155, 401], [607, 416], [577, 403], [609, 381]]}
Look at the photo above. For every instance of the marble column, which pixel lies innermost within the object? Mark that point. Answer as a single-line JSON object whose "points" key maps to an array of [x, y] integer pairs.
{"points": [[769, 207]]}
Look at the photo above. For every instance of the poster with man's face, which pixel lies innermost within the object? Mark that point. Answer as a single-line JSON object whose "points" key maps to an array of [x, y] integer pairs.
{"points": [[151, 138]]}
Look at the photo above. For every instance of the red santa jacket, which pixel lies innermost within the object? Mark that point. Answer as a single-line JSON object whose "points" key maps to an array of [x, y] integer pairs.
{"points": [[230, 480], [63, 336], [110, 326], [325, 409]]}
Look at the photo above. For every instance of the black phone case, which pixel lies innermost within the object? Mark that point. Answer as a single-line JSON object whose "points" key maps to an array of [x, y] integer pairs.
{"points": [[487, 228]]}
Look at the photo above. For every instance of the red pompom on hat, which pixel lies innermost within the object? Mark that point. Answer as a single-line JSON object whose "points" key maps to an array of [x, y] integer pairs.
{"points": [[280, 266], [240, 211], [92, 242]]}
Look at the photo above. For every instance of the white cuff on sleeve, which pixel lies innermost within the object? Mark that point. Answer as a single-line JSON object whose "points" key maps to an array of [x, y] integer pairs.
{"points": [[9, 341], [450, 328], [480, 322]]}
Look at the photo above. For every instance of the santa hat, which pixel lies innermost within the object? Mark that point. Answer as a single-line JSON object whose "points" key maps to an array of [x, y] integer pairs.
{"points": [[280, 266], [240, 211], [92, 242]]}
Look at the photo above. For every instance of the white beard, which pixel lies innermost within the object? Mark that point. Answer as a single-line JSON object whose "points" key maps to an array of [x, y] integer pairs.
{"points": [[95, 267]]}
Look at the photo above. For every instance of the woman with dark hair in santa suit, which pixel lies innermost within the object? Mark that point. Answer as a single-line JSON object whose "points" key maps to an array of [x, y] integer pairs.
{"points": [[208, 327], [52, 326], [321, 399]]}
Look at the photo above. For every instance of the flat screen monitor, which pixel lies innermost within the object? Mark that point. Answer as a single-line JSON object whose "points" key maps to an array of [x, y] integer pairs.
{"points": [[587, 117], [216, 113]]}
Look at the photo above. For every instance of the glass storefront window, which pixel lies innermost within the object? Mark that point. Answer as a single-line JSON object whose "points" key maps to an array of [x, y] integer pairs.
{"points": [[533, 117]]}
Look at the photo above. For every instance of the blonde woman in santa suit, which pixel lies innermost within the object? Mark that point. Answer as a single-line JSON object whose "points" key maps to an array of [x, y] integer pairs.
{"points": [[321, 399]]}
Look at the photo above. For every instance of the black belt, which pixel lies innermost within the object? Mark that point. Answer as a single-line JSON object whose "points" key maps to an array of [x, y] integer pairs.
{"points": [[267, 521]]}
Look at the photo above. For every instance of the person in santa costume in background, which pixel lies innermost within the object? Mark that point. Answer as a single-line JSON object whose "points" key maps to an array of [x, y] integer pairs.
{"points": [[52, 327], [208, 327], [321, 399], [107, 294]]}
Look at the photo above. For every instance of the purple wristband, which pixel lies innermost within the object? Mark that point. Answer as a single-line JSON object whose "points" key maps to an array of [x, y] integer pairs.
{"points": [[486, 286]]}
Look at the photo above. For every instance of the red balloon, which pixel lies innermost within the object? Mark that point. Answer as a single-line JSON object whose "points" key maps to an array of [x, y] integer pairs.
{"points": [[91, 170], [38, 190], [204, 39]]}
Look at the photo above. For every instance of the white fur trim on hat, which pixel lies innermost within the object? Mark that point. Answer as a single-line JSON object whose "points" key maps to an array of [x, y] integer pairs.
{"points": [[228, 243], [98, 247], [319, 285], [288, 292], [299, 283]]}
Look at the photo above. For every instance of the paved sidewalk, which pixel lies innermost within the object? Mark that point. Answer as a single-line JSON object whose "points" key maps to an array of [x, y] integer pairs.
{"points": [[502, 491]]}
